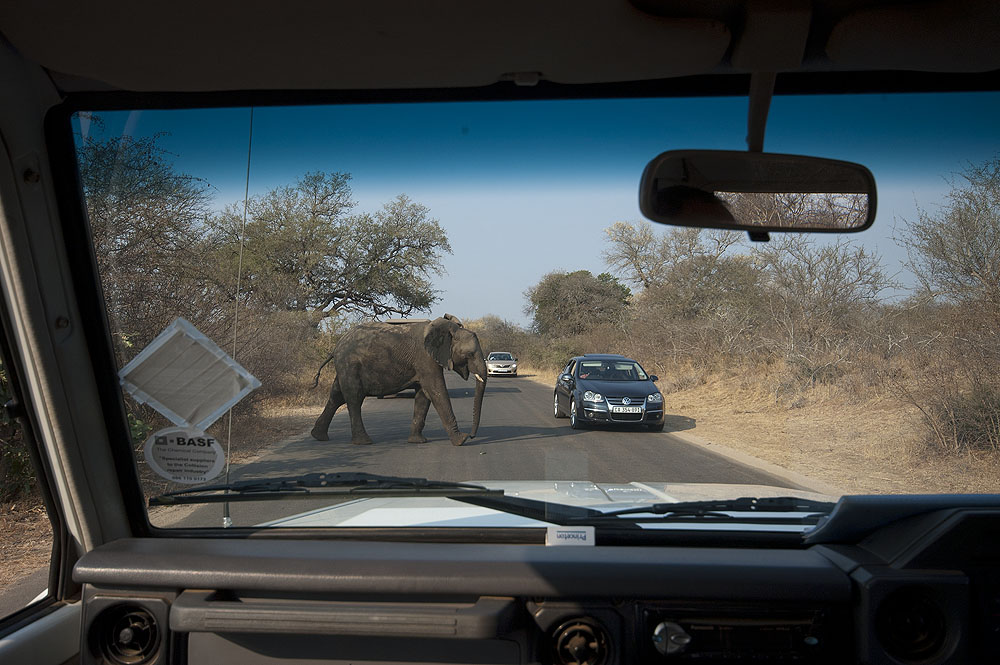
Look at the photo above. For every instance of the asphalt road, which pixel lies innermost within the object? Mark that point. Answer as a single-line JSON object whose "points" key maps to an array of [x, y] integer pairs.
{"points": [[518, 439]]}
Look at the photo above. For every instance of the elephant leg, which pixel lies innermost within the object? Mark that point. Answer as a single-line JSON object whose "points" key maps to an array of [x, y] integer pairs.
{"points": [[358, 434], [320, 430], [421, 403], [442, 404]]}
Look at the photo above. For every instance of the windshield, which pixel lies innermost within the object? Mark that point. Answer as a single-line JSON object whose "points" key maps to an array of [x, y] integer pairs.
{"points": [[611, 370], [303, 290]]}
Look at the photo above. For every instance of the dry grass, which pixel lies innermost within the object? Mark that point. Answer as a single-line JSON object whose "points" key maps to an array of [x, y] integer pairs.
{"points": [[873, 447], [27, 540], [546, 376]]}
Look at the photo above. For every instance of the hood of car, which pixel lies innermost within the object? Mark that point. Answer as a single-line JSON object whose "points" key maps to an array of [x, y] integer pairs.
{"points": [[618, 388], [444, 512]]}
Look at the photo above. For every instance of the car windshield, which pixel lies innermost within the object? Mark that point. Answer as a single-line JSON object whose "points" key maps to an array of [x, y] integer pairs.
{"points": [[296, 290], [611, 370]]}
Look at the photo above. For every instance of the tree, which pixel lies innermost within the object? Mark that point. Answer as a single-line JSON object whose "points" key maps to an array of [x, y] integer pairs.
{"points": [[304, 252], [146, 221], [569, 303], [956, 253], [819, 297], [646, 259]]}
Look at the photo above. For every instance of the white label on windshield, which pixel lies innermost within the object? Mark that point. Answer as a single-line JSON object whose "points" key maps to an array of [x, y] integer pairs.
{"points": [[569, 535], [184, 455]]}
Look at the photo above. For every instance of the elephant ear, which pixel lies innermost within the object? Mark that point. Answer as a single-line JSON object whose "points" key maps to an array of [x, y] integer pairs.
{"points": [[452, 317], [437, 340]]}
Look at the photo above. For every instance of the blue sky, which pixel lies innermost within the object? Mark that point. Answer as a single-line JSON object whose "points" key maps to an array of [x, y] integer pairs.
{"points": [[526, 188]]}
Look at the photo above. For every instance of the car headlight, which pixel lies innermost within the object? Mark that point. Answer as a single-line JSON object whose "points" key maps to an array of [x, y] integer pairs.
{"points": [[514, 365], [655, 398], [591, 396]]}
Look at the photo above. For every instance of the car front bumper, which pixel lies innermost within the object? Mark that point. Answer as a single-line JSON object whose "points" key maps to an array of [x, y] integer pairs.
{"points": [[600, 412], [498, 370]]}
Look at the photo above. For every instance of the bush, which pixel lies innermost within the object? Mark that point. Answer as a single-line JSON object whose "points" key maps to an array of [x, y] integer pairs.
{"points": [[966, 421]]}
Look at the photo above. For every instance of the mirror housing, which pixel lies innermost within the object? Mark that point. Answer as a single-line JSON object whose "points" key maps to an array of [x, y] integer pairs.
{"points": [[757, 192]]}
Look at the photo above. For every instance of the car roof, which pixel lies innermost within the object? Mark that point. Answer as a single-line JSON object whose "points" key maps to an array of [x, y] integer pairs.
{"points": [[603, 356], [665, 47]]}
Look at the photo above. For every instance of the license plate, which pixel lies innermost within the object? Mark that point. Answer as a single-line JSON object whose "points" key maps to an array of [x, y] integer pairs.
{"points": [[626, 409]]}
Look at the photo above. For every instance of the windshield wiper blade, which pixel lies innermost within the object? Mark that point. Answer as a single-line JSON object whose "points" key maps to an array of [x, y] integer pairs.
{"points": [[315, 485], [720, 508]]}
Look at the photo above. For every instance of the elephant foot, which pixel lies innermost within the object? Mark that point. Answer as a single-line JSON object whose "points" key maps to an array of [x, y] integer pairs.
{"points": [[417, 438], [319, 436], [459, 440], [362, 441]]}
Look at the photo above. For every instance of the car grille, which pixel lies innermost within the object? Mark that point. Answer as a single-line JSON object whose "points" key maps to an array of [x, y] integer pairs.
{"points": [[617, 401]]}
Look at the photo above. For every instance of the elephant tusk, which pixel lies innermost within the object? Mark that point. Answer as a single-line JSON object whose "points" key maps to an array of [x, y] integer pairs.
{"points": [[479, 378]]}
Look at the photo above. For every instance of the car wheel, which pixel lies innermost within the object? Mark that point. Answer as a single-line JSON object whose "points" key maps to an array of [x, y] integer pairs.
{"points": [[556, 411], [574, 422], [655, 428]]}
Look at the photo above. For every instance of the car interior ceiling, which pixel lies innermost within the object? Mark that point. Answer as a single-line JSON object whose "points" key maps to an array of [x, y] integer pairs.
{"points": [[891, 580]]}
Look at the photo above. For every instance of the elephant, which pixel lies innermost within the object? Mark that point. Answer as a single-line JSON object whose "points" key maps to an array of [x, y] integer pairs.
{"points": [[383, 358]]}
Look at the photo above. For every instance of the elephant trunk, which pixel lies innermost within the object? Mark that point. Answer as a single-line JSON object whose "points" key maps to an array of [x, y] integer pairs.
{"points": [[477, 404]]}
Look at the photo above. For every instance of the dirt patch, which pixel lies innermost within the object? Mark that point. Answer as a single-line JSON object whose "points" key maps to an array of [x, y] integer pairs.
{"points": [[26, 545]]}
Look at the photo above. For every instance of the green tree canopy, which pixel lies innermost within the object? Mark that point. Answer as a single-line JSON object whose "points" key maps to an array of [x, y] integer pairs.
{"points": [[303, 251], [569, 303]]}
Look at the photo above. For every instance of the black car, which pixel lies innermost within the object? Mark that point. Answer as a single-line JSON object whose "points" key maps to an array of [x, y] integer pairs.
{"points": [[607, 388]]}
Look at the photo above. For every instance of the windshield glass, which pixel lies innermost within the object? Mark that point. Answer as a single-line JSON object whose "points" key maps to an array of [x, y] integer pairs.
{"points": [[610, 370], [303, 290]]}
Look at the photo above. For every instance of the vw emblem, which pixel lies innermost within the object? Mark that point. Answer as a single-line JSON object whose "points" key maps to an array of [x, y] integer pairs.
{"points": [[626, 400]]}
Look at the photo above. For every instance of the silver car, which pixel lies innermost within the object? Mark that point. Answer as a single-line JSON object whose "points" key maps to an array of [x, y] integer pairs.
{"points": [[501, 363]]}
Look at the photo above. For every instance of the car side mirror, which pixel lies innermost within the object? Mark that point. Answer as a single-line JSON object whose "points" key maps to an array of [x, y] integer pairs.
{"points": [[566, 377], [654, 378]]}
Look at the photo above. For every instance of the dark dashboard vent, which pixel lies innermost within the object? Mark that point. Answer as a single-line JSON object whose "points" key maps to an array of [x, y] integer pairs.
{"points": [[125, 635], [580, 642], [911, 625]]}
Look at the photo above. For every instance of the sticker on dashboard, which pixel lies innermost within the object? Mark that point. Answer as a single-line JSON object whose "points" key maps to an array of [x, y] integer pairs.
{"points": [[566, 535]]}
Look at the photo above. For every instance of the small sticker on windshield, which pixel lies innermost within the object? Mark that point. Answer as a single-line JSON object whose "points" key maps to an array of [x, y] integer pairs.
{"points": [[566, 535], [183, 455]]}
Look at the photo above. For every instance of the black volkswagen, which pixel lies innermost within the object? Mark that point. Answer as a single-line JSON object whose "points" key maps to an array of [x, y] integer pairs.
{"points": [[607, 388]]}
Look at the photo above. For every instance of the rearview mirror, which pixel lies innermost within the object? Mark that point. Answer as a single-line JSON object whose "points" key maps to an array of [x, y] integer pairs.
{"points": [[757, 192]]}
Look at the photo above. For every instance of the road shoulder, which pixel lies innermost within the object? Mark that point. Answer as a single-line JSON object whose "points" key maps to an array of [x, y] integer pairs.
{"points": [[755, 462]]}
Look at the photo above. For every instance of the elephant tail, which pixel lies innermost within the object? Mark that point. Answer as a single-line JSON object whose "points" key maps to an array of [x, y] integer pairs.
{"points": [[316, 378]]}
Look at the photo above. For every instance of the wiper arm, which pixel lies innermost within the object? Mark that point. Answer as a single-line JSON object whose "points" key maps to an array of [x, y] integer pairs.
{"points": [[314, 485], [690, 511]]}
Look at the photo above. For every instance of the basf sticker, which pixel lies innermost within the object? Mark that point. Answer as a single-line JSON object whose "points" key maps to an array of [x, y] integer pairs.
{"points": [[566, 535], [184, 455]]}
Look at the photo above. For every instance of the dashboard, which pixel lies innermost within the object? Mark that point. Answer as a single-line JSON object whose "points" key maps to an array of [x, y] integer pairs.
{"points": [[925, 589]]}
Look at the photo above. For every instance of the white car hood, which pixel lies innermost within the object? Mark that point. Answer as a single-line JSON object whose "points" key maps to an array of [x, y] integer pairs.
{"points": [[444, 512]]}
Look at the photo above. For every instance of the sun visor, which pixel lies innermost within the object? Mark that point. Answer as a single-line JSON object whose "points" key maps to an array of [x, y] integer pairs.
{"points": [[186, 376], [928, 36]]}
